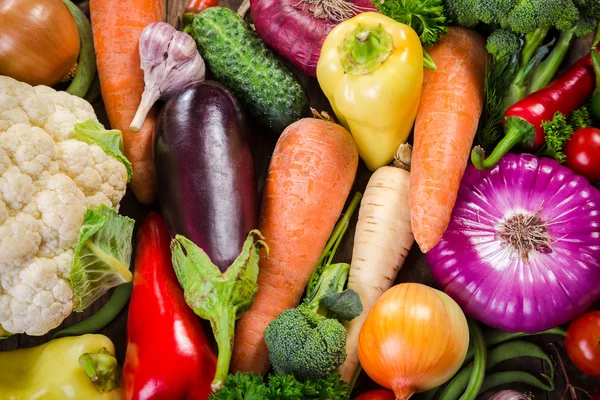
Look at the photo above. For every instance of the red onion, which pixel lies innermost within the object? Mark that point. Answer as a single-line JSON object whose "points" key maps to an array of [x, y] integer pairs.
{"points": [[522, 250], [509, 395], [296, 29]]}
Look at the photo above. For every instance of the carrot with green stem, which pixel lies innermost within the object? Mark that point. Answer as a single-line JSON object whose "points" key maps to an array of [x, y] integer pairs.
{"points": [[310, 176], [382, 240], [446, 123], [117, 26]]}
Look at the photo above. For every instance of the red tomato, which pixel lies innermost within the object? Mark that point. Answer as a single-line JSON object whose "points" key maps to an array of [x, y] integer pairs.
{"points": [[379, 394], [583, 343], [583, 153]]}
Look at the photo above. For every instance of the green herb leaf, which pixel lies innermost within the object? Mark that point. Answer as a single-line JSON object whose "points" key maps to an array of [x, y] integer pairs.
{"points": [[426, 17], [111, 141], [242, 386], [558, 132], [345, 305], [102, 256]]}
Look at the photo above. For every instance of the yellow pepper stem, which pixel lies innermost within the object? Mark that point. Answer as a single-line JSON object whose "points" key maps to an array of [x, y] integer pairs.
{"points": [[102, 369], [365, 49]]}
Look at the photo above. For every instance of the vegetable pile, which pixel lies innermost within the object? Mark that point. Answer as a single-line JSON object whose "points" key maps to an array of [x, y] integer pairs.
{"points": [[468, 127]]}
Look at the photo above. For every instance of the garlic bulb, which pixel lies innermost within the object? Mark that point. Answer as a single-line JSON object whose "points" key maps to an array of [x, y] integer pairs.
{"points": [[170, 62]]}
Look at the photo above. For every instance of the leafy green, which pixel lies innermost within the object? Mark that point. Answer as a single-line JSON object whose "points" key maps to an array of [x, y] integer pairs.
{"points": [[426, 17], [219, 297], [102, 255], [247, 386], [558, 132], [344, 306], [111, 141]]}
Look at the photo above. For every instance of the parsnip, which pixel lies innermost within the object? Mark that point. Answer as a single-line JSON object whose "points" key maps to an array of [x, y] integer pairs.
{"points": [[382, 241]]}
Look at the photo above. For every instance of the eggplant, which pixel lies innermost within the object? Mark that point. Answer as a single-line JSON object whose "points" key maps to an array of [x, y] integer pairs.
{"points": [[205, 173]]}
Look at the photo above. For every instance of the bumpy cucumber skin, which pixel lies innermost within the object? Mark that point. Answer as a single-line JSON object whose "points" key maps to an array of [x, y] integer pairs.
{"points": [[240, 61]]}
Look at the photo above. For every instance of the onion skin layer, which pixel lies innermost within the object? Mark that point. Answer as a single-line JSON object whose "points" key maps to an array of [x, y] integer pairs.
{"points": [[40, 41], [415, 338], [291, 29], [489, 279]]}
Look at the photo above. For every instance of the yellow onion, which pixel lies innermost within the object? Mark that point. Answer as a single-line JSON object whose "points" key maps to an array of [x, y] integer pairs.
{"points": [[415, 338], [39, 41]]}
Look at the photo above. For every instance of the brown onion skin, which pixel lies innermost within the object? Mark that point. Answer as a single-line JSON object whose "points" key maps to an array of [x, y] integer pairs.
{"points": [[39, 41], [292, 30]]}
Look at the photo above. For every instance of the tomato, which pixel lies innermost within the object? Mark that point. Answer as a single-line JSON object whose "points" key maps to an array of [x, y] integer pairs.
{"points": [[583, 343], [379, 394], [583, 153]]}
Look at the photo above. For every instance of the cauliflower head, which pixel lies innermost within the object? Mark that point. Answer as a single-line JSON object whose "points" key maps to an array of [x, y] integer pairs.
{"points": [[49, 177]]}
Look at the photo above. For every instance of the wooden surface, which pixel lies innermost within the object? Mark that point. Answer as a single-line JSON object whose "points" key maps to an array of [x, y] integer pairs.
{"points": [[415, 269]]}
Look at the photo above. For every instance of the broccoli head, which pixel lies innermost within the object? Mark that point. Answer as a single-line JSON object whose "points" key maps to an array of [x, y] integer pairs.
{"points": [[529, 15], [304, 343], [503, 43]]}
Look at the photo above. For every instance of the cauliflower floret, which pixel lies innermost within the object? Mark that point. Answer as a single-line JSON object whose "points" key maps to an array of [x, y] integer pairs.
{"points": [[48, 180]]}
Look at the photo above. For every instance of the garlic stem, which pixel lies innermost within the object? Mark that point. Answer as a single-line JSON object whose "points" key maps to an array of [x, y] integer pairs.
{"points": [[149, 97]]}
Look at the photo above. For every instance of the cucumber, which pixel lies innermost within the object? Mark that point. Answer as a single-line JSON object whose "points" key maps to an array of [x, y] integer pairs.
{"points": [[241, 62]]}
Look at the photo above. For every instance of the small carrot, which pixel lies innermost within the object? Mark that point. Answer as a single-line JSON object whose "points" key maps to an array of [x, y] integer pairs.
{"points": [[117, 26], [310, 176], [195, 6], [446, 123], [382, 240]]}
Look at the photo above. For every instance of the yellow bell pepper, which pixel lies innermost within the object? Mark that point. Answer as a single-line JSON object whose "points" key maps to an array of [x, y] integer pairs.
{"points": [[61, 369], [371, 70]]}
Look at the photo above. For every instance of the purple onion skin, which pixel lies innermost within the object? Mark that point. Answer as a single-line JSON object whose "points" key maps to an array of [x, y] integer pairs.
{"points": [[205, 173], [488, 278], [291, 29]]}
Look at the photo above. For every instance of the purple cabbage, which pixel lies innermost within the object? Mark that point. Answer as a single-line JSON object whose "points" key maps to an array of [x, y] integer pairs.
{"points": [[522, 250]]}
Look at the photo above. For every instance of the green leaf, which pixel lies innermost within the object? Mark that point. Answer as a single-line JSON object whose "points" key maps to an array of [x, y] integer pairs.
{"points": [[102, 256], [111, 141], [102, 368], [4, 334], [242, 386], [345, 305]]}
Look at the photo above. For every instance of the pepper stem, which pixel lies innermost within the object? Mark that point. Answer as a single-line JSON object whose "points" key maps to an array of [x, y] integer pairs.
{"points": [[365, 49], [518, 132], [102, 369], [223, 327]]}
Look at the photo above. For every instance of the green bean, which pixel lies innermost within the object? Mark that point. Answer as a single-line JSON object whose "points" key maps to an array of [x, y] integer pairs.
{"points": [[497, 336], [469, 381], [94, 91], [86, 67], [501, 353], [500, 378], [103, 316]]}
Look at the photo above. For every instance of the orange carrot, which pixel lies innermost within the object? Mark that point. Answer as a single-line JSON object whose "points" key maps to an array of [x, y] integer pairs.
{"points": [[446, 123], [310, 176], [117, 26]]}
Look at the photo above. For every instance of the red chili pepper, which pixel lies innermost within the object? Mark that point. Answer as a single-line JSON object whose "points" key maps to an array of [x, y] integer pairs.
{"points": [[195, 6], [168, 355], [523, 121]]}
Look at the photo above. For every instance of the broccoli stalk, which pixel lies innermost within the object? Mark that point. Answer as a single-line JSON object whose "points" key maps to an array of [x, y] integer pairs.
{"points": [[305, 341]]}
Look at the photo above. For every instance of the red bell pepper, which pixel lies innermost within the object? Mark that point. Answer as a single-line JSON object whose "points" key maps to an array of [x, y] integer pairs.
{"points": [[168, 355], [523, 121]]}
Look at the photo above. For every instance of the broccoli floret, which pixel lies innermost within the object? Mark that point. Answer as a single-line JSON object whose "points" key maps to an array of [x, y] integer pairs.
{"points": [[304, 342], [503, 43]]}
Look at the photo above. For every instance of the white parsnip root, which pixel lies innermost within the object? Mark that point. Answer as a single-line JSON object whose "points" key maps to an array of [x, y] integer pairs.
{"points": [[382, 241]]}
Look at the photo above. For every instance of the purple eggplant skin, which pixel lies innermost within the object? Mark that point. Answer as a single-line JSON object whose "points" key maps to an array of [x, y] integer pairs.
{"points": [[205, 172]]}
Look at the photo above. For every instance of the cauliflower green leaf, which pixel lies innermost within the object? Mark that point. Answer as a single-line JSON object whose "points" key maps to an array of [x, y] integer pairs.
{"points": [[102, 255], [111, 141]]}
